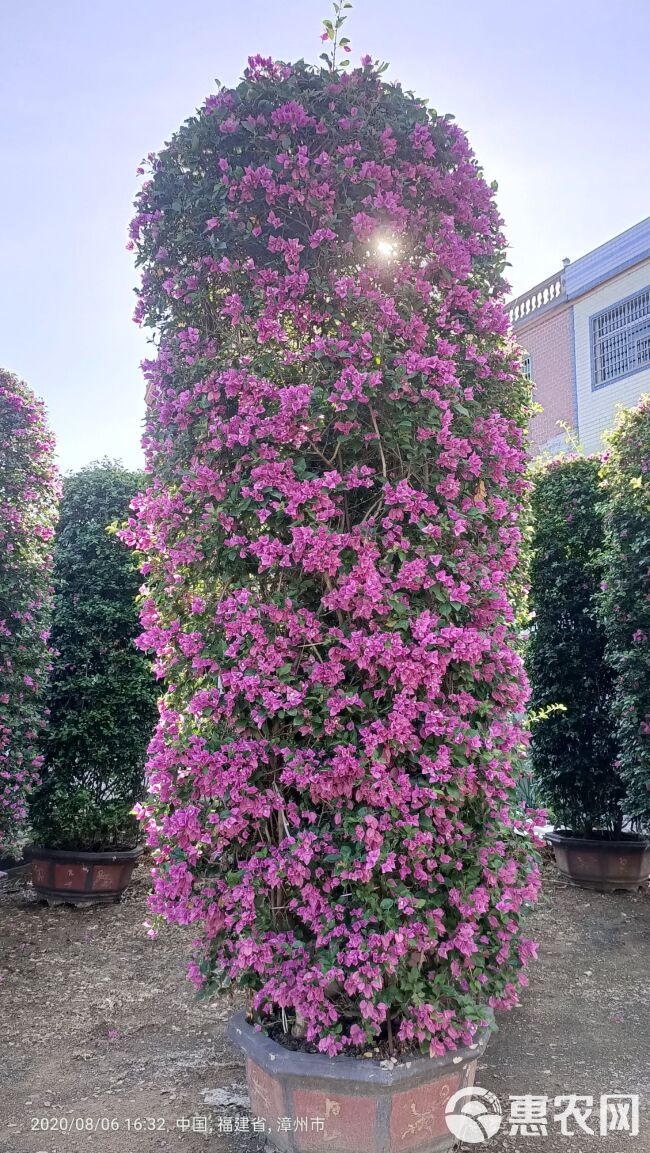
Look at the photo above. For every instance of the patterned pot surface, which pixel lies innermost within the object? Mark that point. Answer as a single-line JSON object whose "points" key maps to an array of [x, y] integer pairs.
{"points": [[81, 878], [311, 1103], [601, 864]]}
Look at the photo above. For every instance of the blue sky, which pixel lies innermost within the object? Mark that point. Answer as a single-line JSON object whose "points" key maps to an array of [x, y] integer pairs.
{"points": [[554, 96]]}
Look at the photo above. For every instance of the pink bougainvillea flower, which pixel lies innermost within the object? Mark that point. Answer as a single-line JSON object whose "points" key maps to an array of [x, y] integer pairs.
{"points": [[29, 491]]}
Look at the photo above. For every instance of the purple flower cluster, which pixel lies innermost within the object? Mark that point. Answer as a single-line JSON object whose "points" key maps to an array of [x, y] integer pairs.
{"points": [[330, 542], [28, 501]]}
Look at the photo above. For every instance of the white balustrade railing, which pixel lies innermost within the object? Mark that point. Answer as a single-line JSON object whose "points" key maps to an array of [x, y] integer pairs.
{"points": [[548, 292]]}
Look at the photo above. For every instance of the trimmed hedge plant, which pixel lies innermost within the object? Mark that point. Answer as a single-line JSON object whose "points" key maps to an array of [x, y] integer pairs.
{"points": [[573, 749], [28, 501], [102, 694], [625, 599], [330, 532]]}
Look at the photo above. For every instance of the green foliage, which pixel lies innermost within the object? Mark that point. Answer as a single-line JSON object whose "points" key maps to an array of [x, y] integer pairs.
{"points": [[624, 603], [573, 749], [528, 794], [102, 693], [332, 33], [75, 819]]}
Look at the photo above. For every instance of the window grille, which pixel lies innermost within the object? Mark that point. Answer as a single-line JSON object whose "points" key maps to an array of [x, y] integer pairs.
{"points": [[527, 367], [620, 339]]}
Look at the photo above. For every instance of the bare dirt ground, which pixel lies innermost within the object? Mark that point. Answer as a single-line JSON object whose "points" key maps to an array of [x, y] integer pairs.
{"points": [[103, 1046], [584, 1024]]}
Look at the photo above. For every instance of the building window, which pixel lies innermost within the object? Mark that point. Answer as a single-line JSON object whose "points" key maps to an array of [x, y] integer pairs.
{"points": [[527, 367], [620, 339]]}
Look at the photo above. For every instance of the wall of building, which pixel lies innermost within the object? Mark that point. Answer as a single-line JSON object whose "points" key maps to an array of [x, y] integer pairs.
{"points": [[548, 339], [597, 409]]}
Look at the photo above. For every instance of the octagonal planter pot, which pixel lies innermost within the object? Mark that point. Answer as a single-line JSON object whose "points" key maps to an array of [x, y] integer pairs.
{"points": [[78, 878], [347, 1105], [601, 864]]}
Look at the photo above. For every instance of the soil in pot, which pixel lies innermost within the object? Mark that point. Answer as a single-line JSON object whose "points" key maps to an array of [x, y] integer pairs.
{"points": [[380, 1050]]}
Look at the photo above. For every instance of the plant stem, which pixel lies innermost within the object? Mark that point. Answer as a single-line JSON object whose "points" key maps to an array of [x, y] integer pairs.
{"points": [[391, 1043]]}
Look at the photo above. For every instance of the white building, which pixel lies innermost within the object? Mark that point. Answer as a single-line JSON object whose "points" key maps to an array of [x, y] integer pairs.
{"points": [[586, 331]]}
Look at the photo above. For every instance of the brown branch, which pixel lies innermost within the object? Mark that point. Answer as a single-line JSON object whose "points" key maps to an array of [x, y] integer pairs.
{"points": [[317, 451], [330, 588], [380, 446]]}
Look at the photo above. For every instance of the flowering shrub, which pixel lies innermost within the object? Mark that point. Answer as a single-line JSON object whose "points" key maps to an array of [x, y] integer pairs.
{"points": [[625, 599], [573, 749], [28, 496], [330, 532], [102, 696]]}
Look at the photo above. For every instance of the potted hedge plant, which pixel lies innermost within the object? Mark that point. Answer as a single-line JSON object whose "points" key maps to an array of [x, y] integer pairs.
{"points": [[101, 700], [28, 504], [574, 749], [330, 534], [624, 604]]}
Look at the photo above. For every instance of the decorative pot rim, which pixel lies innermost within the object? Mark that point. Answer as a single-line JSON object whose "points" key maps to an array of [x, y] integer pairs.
{"points": [[635, 844], [103, 857], [279, 1062]]}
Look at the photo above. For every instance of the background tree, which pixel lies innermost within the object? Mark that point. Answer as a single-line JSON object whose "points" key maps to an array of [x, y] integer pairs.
{"points": [[102, 694], [28, 500], [574, 749], [625, 599], [330, 531]]}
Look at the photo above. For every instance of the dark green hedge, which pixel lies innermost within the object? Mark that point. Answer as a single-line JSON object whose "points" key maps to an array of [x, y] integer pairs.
{"points": [[102, 694], [573, 752], [624, 603]]}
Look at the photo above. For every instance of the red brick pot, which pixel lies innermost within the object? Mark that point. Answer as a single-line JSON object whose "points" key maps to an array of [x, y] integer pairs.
{"points": [[601, 864], [81, 878], [345, 1105]]}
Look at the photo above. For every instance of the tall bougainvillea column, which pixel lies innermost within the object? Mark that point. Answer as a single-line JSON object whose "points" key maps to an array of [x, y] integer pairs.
{"points": [[28, 499], [330, 535], [625, 597]]}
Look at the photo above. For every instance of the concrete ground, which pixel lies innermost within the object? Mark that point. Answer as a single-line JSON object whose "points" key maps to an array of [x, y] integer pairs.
{"points": [[103, 1046]]}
